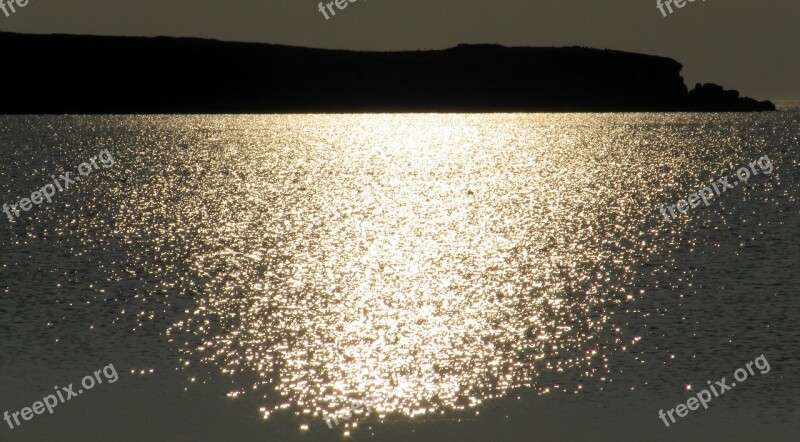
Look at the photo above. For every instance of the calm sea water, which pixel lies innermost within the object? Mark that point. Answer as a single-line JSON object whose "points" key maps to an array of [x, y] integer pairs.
{"points": [[469, 277]]}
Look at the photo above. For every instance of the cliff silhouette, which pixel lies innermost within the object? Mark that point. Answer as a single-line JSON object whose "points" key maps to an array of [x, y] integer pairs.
{"points": [[55, 74]]}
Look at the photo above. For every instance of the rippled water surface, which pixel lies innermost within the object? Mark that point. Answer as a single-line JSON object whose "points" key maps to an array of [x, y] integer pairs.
{"points": [[429, 266]]}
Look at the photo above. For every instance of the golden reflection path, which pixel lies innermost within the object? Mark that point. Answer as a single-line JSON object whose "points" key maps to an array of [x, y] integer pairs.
{"points": [[411, 262]]}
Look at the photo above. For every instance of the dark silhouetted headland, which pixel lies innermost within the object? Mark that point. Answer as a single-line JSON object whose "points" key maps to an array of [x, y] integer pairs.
{"points": [[85, 74]]}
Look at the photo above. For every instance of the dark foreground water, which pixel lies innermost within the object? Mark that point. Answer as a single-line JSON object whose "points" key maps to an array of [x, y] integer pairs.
{"points": [[465, 277]]}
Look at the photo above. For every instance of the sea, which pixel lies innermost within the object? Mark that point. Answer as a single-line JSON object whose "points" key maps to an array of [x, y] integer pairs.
{"points": [[418, 277]]}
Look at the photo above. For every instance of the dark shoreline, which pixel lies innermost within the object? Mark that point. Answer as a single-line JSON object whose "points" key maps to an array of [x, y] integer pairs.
{"points": [[66, 74]]}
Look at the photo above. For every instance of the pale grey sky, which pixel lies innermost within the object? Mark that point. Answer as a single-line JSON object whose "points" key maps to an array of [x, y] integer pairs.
{"points": [[750, 45]]}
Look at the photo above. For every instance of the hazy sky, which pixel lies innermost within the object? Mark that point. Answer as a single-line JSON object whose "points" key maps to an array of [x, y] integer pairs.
{"points": [[750, 45]]}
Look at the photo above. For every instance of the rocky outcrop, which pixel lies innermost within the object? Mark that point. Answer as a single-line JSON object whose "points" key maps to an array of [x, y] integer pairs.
{"points": [[711, 97]]}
